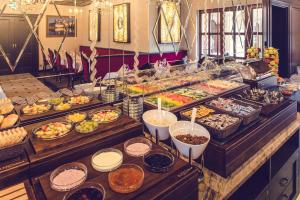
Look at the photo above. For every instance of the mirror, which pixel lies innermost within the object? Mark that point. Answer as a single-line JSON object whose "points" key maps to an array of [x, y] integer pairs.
{"points": [[125, 34]]}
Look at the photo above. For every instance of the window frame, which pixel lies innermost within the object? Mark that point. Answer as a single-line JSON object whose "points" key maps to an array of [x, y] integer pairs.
{"points": [[247, 32]]}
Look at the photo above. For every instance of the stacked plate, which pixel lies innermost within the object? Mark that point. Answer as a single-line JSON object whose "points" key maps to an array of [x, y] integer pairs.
{"points": [[133, 107], [110, 95]]}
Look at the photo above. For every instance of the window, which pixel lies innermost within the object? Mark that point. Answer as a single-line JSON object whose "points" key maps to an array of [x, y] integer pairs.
{"points": [[240, 31]]}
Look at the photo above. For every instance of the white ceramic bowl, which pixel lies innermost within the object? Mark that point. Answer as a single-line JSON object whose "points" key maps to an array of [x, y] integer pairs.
{"points": [[185, 127], [159, 115]]}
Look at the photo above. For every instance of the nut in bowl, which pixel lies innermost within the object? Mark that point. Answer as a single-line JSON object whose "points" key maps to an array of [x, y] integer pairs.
{"points": [[186, 135], [159, 120]]}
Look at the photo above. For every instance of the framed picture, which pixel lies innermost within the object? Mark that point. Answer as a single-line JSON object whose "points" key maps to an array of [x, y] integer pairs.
{"points": [[121, 23], [57, 26], [94, 25], [168, 9]]}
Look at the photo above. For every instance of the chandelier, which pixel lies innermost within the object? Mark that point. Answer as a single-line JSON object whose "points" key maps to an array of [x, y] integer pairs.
{"points": [[102, 3], [15, 4], [75, 10]]}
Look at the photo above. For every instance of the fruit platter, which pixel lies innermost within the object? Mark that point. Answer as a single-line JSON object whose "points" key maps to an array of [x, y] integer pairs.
{"points": [[169, 100], [202, 111], [208, 88], [237, 108], [105, 115], [76, 117], [139, 89], [86, 126], [220, 126], [79, 100], [177, 98], [226, 85], [36, 109], [164, 84], [62, 107], [53, 130], [190, 92]]}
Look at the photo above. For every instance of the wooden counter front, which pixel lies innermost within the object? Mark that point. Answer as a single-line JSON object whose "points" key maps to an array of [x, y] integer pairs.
{"points": [[45, 155], [20, 191], [179, 183], [225, 158], [18, 168]]}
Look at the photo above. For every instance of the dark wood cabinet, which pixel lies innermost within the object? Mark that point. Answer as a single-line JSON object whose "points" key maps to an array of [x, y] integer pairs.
{"points": [[278, 178], [14, 31]]}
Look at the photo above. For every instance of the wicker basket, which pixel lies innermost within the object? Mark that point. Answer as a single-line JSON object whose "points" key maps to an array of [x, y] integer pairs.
{"points": [[13, 151], [246, 119], [222, 134]]}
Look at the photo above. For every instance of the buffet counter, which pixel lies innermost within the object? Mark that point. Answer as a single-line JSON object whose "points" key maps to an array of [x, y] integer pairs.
{"points": [[22, 85], [215, 186]]}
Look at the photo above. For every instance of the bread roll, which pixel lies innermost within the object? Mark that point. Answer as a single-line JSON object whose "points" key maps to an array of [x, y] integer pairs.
{"points": [[12, 137], [9, 121], [6, 108]]}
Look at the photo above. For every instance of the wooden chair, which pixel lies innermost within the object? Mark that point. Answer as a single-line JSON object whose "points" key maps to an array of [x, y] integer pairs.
{"points": [[60, 67], [46, 64], [72, 68], [85, 67], [52, 59]]}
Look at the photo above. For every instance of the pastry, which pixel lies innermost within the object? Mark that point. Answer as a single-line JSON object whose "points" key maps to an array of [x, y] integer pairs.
{"points": [[6, 108], [9, 121], [12, 137], [5, 101], [1, 119]]}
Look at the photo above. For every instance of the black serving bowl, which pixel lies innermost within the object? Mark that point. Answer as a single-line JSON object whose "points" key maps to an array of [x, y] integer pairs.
{"points": [[158, 161], [88, 190]]}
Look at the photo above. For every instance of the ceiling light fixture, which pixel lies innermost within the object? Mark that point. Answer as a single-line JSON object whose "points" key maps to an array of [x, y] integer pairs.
{"points": [[75, 10]]}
